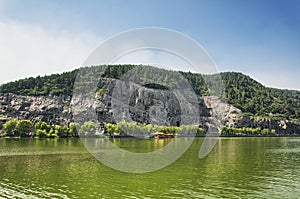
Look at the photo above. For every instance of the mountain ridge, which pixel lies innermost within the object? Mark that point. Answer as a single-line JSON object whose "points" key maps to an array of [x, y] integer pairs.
{"points": [[243, 92]]}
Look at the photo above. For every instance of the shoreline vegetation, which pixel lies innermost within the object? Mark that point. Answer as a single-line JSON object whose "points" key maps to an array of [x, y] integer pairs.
{"points": [[27, 129]]}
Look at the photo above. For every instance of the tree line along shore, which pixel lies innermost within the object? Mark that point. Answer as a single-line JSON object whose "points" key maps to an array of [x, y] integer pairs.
{"points": [[25, 128]]}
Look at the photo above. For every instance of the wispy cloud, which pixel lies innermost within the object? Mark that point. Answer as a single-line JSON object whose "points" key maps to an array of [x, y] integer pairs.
{"points": [[29, 50]]}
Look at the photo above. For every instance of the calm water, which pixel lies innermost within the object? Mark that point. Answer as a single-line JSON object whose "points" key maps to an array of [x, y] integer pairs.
{"points": [[236, 168]]}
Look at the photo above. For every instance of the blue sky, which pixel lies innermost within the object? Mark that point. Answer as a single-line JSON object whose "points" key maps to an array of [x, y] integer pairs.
{"points": [[259, 38]]}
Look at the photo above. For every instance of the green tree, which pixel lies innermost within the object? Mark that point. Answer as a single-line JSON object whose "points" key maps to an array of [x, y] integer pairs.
{"points": [[88, 129], [66, 131], [41, 133], [10, 127], [24, 127], [148, 129], [52, 133], [115, 128], [200, 131], [42, 126], [73, 129], [265, 131], [189, 129], [61, 131]]}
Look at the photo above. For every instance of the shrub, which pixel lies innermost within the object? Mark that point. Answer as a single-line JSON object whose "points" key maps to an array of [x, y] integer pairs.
{"points": [[24, 127], [41, 133], [10, 127], [61, 131], [73, 129], [52, 134], [88, 129], [42, 126]]}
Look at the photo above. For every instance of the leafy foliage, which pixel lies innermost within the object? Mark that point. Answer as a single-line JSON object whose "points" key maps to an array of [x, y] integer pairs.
{"points": [[246, 131], [24, 128], [254, 98], [42, 126], [73, 129], [136, 129], [9, 127], [88, 129], [61, 131], [55, 84]]}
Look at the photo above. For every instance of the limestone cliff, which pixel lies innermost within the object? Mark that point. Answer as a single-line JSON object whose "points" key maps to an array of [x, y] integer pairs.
{"points": [[54, 110]]}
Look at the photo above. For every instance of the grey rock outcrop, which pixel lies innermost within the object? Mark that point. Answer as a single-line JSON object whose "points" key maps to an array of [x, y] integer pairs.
{"points": [[281, 126], [124, 101], [54, 110]]}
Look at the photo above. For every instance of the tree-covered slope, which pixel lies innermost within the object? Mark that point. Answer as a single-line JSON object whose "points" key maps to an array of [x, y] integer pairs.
{"points": [[241, 90], [254, 98], [53, 85]]}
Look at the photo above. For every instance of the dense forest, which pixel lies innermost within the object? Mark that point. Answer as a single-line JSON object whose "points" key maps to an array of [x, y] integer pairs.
{"points": [[241, 91], [55, 84], [253, 98]]}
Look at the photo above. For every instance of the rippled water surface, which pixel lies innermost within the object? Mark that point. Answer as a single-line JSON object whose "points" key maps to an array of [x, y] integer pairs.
{"points": [[236, 168]]}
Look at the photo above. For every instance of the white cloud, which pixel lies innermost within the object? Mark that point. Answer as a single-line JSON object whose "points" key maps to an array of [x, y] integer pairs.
{"points": [[30, 50]]}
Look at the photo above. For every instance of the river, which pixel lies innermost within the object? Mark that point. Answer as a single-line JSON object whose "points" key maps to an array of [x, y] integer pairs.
{"points": [[262, 167]]}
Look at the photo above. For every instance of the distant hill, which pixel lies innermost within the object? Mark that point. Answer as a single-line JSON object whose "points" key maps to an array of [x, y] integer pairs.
{"points": [[242, 91]]}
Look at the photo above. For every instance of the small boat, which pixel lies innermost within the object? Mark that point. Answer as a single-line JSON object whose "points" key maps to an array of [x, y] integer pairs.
{"points": [[158, 135]]}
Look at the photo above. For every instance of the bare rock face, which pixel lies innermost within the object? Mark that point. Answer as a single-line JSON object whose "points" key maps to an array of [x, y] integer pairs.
{"points": [[54, 110], [125, 101], [281, 126], [159, 107]]}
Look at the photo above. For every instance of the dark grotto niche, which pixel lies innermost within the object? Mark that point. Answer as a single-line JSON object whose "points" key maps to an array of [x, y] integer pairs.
{"points": [[155, 106]]}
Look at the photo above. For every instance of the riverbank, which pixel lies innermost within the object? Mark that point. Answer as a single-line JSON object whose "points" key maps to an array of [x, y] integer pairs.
{"points": [[152, 137], [26, 128], [199, 136]]}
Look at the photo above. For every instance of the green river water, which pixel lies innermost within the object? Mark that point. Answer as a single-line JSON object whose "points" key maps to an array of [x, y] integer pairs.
{"points": [[262, 167]]}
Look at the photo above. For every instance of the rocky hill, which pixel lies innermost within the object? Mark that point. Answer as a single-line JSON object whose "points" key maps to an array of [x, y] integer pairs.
{"points": [[50, 99]]}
